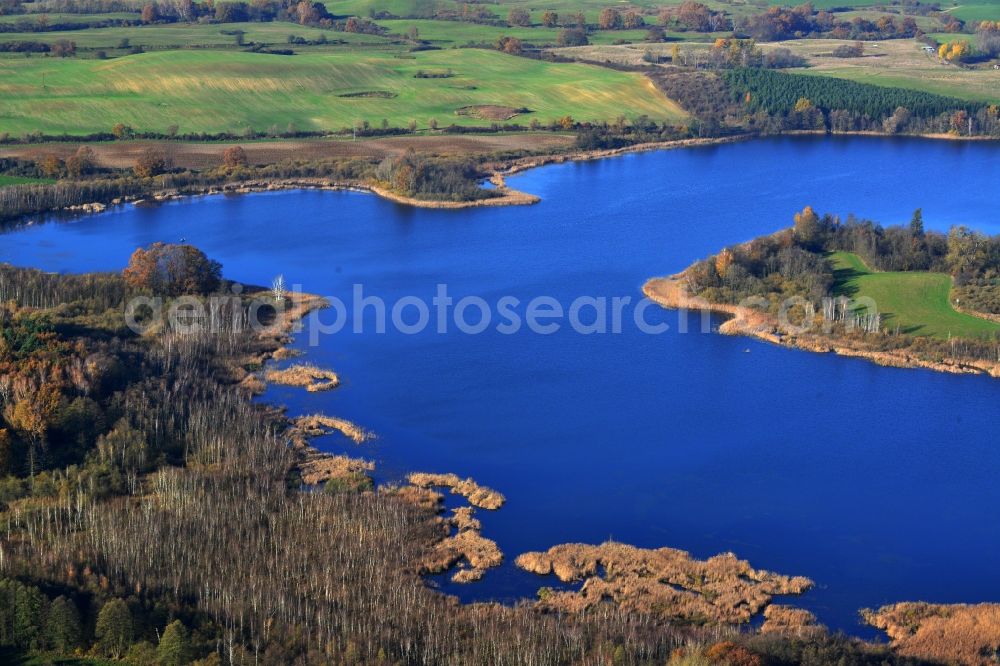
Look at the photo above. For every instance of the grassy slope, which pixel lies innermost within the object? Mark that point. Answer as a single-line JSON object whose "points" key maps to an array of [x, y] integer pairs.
{"points": [[917, 302], [214, 91]]}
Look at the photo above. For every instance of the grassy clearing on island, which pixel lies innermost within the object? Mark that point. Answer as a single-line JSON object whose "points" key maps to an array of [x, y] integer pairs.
{"points": [[918, 303], [222, 91]]}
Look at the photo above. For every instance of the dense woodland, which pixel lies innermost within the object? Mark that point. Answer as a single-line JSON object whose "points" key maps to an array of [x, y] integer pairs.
{"points": [[154, 514]]}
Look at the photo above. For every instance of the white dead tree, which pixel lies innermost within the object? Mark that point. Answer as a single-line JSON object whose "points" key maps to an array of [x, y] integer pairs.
{"points": [[278, 287]]}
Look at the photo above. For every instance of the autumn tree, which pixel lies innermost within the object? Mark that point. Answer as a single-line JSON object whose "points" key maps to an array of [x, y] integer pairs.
{"points": [[572, 37], [633, 20], [988, 38], [307, 13], [81, 162], [172, 270], [234, 156], [122, 131], [149, 13], [151, 162], [609, 19], [723, 261], [519, 16], [511, 45], [52, 166], [63, 48], [807, 227], [114, 628], [954, 51], [550, 19]]}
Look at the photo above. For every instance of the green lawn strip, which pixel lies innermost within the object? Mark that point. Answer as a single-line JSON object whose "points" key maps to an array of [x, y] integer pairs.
{"points": [[917, 302]]}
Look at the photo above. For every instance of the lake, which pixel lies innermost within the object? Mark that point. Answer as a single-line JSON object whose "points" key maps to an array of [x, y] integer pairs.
{"points": [[879, 484]]}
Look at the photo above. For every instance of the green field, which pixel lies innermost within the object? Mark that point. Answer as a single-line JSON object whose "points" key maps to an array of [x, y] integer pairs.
{"points": [[590, 8], [974, 13], [226, 91], [918, 303], [20, 180], [455, 33], [179, 35], [55, 17]]}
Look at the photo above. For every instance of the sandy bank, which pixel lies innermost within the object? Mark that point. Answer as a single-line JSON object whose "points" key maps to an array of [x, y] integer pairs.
{"points": [[672, 292]]}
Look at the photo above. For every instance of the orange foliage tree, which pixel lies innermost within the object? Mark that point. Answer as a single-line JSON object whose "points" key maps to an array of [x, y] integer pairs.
{"points": [[172, 270]]}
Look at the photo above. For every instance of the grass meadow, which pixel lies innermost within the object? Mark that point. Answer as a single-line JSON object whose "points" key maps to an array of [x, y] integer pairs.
{"points": [[215, 91], [185, 35], [918, 303], [973, 13]]}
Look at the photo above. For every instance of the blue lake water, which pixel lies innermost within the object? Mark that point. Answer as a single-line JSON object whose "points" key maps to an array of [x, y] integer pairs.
{"points": [[880, 484]]}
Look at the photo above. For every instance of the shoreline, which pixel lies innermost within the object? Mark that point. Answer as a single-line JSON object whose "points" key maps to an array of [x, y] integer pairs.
{"points": [[672, 293], [508, 196], [497, 174]]}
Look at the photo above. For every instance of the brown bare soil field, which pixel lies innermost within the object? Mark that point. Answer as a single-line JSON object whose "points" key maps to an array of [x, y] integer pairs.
{"points": [[192, 155]]}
